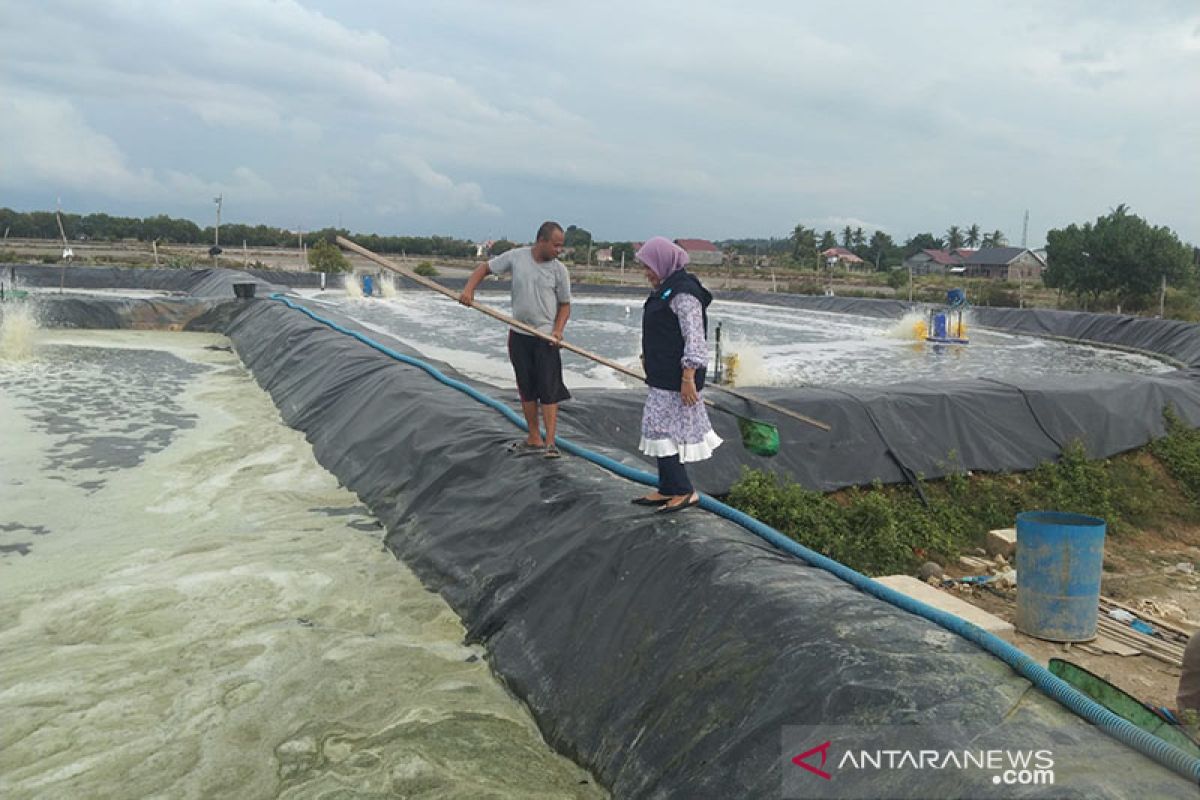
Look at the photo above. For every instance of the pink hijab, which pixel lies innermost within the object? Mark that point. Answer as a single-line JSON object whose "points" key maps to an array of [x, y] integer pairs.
{"points": [[662, 256]]}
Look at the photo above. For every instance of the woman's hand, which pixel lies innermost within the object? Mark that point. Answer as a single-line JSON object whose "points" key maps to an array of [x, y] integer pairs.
{"points": [[687, 390]]}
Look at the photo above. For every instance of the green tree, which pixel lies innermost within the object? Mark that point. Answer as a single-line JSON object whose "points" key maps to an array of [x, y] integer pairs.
{"points": [[622, 250], [828, 240], [883, 251], [972, 236], [994, 239], [954, 237], [804, 242], [501, 246], [576, 237], [922, 241], [859, 239], [1120, 253], [847, 237], [325, 256]]}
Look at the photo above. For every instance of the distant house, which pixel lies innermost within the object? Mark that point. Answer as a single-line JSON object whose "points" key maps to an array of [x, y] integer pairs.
{"points": [[1004, 264], [483, 249], [840, 256], [932, 262], [604, 255], [701, 251]]}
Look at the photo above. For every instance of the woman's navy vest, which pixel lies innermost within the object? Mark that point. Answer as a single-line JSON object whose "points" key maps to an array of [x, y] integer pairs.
{"points": [[662, 340]]}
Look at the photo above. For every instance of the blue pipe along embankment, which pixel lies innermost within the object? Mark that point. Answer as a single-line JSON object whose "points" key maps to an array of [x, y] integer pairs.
{"points": [[1020, 663]]}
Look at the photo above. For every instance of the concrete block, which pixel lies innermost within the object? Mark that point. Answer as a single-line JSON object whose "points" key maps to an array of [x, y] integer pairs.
{"points": [[1001, 542], [918, 590]]}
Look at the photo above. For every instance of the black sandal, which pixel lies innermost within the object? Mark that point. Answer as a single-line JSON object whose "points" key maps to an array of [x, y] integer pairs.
{"points": [[650, 501], [552, 452], [693, 500]]}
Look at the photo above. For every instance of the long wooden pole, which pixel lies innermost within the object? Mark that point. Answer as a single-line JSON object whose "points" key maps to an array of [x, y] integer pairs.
{"points": [[501, 316]]}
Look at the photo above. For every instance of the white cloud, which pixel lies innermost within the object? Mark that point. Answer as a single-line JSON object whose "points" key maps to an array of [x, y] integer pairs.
{"points": [[46, 143], [705, 117], [415, 184]]}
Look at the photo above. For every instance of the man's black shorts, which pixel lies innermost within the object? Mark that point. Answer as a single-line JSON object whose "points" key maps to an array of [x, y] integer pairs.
{"points": [[538, 367]]}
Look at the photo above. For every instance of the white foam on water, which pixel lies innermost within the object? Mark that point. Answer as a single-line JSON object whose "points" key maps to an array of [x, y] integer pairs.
{"points": [[352, 286], [910, 327], [18, 331], [221, 620], [387, 285], [797, 346], [750, 367]]}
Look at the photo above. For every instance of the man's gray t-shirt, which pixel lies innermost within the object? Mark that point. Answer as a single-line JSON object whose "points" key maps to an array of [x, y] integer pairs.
{"points": [[538, 288]]}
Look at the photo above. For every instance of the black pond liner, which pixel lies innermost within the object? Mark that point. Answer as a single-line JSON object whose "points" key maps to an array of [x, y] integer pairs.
{"points": [[668, 654]]}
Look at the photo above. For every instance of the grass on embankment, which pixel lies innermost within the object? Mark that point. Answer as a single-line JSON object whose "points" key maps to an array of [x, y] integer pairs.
{"points": [[887, 529]]}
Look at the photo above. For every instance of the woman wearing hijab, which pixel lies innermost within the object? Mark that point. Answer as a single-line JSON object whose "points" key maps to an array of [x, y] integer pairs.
{"points": [[675, 426]]}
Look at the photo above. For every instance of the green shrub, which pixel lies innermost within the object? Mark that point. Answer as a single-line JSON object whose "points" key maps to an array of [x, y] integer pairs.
{"points": [[1179, 451], [994, 294], [884, 529], [10, 257], [805, 287], [325, 256], [1181, 304], [1075, 485], [426, 269]]}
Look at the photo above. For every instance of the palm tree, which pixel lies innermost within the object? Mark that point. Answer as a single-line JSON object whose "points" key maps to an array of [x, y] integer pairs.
{"points": [[804, 241], [954, 238], [847, 236], [859, 239], [828, 240], [993, 239], [972, 237]]}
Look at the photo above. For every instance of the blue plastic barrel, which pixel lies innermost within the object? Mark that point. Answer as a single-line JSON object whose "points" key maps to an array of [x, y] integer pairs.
{"points": [[955, 297], [1059, 560], [368, 288], [939, 325]]}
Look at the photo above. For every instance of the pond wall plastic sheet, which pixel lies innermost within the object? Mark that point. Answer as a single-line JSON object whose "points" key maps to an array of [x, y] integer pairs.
{"points": [[187, 281], [664, 653], [887, 433]]}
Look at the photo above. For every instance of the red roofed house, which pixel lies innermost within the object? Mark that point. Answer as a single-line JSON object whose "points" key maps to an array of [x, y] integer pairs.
{"points": [[934, 262], [701, 251], [841, 257]]}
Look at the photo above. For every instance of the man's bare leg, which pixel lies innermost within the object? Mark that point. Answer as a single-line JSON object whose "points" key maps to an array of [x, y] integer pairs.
{"points": [[530, 410], [550, 415]]}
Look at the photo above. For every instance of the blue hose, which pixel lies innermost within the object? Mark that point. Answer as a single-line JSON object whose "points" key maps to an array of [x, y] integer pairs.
{"points": [[1124, 731]]}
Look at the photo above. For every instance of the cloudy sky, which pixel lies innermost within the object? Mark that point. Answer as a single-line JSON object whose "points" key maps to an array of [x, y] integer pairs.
{"points": [[705, 119]]}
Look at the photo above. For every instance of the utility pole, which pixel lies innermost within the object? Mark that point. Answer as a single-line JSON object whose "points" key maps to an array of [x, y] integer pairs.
{"points": [[217, 231], [1162, 298], [1025, 230], [67, 254]]}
